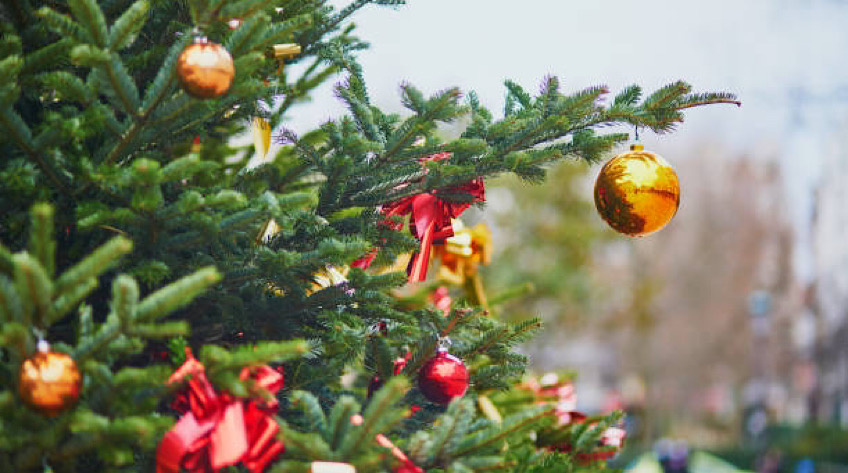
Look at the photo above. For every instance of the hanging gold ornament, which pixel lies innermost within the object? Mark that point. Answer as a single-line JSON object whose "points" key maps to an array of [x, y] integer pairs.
{"points": [[286, 50], [261, 131], [49, 381], [637, 193], [461, 256], [205, 69]]}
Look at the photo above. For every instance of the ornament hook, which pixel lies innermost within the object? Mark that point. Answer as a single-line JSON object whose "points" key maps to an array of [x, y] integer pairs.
{"points": [[444, 343]]}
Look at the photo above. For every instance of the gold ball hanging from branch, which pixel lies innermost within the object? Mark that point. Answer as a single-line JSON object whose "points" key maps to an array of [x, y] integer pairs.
{"points": [[637, 193], [49, 381], [205, 69]]}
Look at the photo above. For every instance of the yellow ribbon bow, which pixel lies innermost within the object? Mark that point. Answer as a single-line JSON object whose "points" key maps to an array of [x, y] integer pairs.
{"points": [[461, 256]]}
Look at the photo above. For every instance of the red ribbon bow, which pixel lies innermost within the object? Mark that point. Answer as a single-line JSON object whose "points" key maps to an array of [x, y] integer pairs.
{"points": [[218, 430], [430, 220]]}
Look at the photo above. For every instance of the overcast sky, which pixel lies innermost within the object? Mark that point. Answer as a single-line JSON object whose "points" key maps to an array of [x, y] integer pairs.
{"points": [[786, 59]]}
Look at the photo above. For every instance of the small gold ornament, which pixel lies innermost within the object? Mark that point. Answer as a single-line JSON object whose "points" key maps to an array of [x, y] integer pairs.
{"points": [[49, 381], [205, 69], [637, 193]]}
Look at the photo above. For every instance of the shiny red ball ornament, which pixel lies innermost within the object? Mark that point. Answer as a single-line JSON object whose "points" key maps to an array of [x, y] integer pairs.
{"points": [[443, 378]]}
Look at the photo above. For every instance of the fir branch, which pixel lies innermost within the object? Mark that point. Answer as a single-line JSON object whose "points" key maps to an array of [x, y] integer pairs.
{"points": [[95, 263], [518, 95], [242, 38], [88, 13], [11, 308], [126, 27], [124, 298], [380, 416], [63, 25], [497, 433], [310, 445], [242, 9], [21, 134], [152, 98], [176, 294], [69, 299], [434, 109], [6, 265], [69, 86], [450, 427], [122, 83], [317, 421], [697, 100], [548, 95], [628, 96], [35, 287], [41, 243], [339, 423], [48, 57]]}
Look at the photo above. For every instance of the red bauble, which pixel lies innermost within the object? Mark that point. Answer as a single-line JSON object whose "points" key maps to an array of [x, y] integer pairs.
{"points": [[443, 378]]}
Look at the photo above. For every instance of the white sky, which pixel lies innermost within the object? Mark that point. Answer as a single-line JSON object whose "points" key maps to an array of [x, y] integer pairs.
{"points": [[786, 59]]}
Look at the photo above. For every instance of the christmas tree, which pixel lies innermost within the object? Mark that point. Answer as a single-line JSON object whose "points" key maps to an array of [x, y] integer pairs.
{"points": [[166, 306]]}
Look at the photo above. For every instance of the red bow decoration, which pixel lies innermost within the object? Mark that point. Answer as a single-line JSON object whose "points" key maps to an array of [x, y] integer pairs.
{"points": [[430, 220], [218, 430]]}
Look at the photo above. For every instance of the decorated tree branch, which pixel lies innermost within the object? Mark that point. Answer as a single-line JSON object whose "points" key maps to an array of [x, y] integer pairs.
{"points": [[212, 306]]}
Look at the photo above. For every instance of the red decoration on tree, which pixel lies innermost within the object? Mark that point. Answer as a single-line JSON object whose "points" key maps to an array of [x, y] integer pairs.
{"points": [[441, 299], [218, 429], [377, 382], [430, 220], [443, 378]]}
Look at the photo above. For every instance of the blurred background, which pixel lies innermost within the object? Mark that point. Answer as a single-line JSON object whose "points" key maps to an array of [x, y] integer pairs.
{"points": [[726, 332]]}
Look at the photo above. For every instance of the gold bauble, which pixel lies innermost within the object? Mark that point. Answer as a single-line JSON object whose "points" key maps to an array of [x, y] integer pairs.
{"points": [[637, 192], [49, 382], [205, 69]]}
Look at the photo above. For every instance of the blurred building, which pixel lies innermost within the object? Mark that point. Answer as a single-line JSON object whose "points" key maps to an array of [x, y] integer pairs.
{"points": [[822, 334]]}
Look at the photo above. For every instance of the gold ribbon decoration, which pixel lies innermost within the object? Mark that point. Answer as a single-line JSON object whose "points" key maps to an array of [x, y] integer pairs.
{"points": [[461, 256]]}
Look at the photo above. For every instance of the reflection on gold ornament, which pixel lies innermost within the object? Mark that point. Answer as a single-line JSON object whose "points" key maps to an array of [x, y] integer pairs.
{"points": [[49, 381], [205, 69], [637, 192]]}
